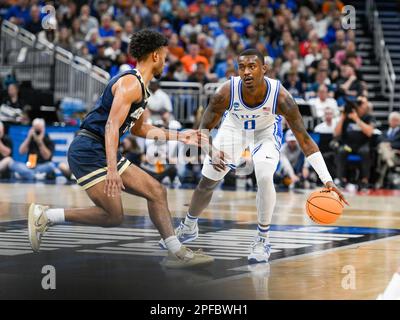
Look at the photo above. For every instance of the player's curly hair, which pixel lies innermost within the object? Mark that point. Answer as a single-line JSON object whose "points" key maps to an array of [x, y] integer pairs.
{"points": [[145, 42]]}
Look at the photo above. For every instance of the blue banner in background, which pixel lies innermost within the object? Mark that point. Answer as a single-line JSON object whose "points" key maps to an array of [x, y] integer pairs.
{"points": [[61, 136]]}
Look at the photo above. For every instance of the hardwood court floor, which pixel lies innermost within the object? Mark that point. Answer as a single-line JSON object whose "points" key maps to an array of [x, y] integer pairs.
{"points": [[308, 261]]}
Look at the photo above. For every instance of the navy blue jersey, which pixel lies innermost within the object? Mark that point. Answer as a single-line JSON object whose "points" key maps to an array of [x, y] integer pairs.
{"points": [[95, 121]]}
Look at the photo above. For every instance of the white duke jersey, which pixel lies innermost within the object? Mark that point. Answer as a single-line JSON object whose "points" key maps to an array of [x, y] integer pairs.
{"points": [[260, 117], [258, 128]]}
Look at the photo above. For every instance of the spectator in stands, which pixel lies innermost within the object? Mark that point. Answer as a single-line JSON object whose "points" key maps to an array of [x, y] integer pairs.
{"points": [[176, 52], [106, 30], [129, 29], [211, 21], [263, 23], [340, 43], [392, 135], [238, 22], [84, 53], [313, 55], [326, 131], [320, 24], [86, 21], [19, 14], [70, 14], [34, 25], [305, 46], [348, 86], [93, 40], [236, 44], [223, 66], [292, 160], [293, 84], [222, 42], [389, 148], [114, 50], [39, 149], [204, 48], [190, 29], [5, 152], [199, 75], [322, 101], [101, 60], [230, 72], [321, 78], [345, 55], [155, 22], [65, 40], [354, 130], [13, 98], [19, 107], [170, 74], [159, 101], [180, 73], [190, 60], [77, 35], [50, 34], [160, 156], [291, 62], [324, 63]]}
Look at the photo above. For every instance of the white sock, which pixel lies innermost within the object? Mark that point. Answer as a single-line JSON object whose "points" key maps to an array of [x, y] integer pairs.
{"points": [[263, 231], [173, 244], [190, 221], [56, 215]]}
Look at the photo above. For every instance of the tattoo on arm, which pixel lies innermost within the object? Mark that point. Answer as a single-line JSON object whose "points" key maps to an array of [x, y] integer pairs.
{"points": [[219, 102], [288, 108]]}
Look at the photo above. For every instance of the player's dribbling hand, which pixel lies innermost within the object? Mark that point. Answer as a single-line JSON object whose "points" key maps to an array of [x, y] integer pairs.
{"points": [[113, 184], [332, 187]]}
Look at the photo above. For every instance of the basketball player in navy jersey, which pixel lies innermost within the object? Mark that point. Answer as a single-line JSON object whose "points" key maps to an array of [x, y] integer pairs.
{"points": [[252, 107], [101, 170]]}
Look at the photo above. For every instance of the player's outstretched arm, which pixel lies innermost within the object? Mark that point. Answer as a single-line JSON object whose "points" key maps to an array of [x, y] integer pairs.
{"points": [[148, 131], [126, 91], [288, 108]]}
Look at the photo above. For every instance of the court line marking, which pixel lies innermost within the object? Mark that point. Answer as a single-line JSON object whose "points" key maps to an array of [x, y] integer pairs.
{"points": [[13, 220], [249, 274]]}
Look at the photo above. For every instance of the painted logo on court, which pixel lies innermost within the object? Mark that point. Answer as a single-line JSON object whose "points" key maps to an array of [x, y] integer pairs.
{"points": [[224, 240]]}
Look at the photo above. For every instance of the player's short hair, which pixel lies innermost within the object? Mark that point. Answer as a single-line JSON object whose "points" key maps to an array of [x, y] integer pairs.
{"points": [[145, 42], [253, 52], [394, 115]]}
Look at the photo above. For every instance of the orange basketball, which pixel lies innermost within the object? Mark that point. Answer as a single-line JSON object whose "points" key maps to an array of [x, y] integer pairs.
{"points": [[324, 206]]}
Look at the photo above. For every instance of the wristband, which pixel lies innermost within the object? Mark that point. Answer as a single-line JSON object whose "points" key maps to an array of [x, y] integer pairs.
{"points": [[317, 162]]}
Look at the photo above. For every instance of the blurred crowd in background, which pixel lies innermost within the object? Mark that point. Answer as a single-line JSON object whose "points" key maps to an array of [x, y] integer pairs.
{"points": [[303, 44]]}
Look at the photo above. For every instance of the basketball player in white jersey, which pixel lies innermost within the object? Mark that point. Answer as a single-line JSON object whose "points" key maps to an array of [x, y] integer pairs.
{"points": [[252, 107]]}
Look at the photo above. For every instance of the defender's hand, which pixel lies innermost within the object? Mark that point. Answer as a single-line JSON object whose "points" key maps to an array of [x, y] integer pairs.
{"points": [[193, 137], [113, 184], [332, 187]]}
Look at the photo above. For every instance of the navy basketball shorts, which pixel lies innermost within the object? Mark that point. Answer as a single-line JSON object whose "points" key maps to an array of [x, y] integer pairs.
{"points": [[88, 163]]}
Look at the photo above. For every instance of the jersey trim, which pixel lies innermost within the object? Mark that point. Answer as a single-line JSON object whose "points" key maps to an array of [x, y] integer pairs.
{"points": [[232, 94], [265, 99], [278, 87]]}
